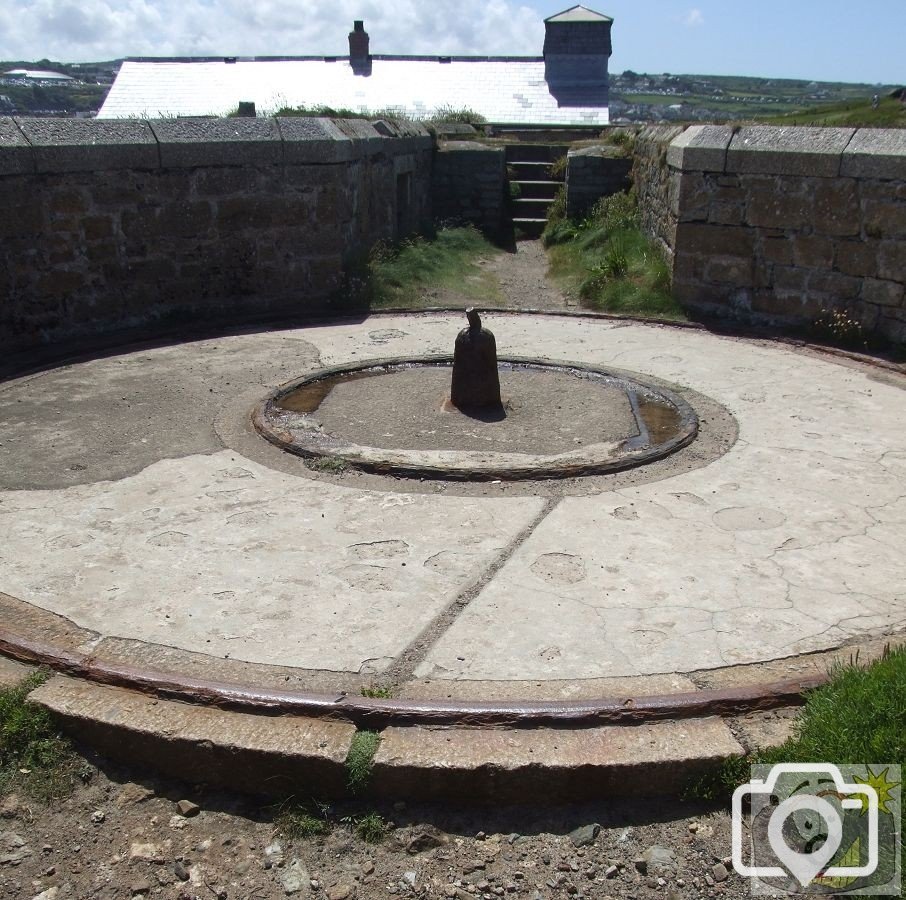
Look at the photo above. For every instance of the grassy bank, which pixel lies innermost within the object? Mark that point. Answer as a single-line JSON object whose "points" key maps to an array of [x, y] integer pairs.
{"points": [[419, 271], [859, 717], [608, 262]]}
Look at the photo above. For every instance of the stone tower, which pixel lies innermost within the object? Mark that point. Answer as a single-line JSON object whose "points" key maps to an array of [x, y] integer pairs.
{"points": [[577, 48]]}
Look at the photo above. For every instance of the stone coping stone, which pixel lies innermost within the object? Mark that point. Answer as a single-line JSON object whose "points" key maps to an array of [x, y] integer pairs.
{"points": [[86, 145], [363, 131], [776, 150], [400, 128], [660, 133], [187, 143], [310, 140], [470, 147], [701, 148], [16, 154], [876, 153], [452, 129]]}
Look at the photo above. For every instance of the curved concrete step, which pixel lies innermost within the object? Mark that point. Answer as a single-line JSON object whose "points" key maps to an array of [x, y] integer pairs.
{"points": [[292, 755]]}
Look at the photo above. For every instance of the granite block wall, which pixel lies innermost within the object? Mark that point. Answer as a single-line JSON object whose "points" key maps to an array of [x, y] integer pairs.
{"points": [[115, 224], [782, 225], [654, 182], [468, 185], [592, 173]]}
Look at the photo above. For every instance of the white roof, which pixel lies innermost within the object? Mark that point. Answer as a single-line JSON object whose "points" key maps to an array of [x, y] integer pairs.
{"points": [[504, 91]]}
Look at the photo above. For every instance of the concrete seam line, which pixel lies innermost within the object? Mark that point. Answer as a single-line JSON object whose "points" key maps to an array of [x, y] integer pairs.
{"points": [[403, 667]]}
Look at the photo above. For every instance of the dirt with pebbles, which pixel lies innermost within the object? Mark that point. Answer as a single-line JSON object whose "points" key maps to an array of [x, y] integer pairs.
{"points": [[120, 837]]}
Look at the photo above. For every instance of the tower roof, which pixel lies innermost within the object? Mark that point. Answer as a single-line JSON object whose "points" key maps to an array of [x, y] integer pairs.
{"points": [[579, 14]]}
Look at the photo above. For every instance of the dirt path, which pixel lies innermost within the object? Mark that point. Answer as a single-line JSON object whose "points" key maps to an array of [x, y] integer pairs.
{"points": [[524, 281], [516, 279]]}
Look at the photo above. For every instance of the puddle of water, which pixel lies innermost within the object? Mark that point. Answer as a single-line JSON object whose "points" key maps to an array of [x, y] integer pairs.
{"points": [[662, 420], [308, 397]]}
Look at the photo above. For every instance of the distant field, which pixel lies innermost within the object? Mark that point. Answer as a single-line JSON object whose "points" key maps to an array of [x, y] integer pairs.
{"points": [[890, 114]]}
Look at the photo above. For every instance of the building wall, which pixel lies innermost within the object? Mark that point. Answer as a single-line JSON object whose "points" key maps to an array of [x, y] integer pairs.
{"points": [[781, 225], [108, 225]]}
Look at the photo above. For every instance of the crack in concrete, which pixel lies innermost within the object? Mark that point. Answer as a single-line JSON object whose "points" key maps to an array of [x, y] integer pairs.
{"points": [[404, 665]]}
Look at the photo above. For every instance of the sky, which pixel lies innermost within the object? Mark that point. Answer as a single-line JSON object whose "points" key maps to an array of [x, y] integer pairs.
{"points": [[824, 40]]}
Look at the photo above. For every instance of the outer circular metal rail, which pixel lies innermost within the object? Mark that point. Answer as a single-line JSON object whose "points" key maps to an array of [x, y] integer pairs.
{"points": [[379, 713], [592, 460]]}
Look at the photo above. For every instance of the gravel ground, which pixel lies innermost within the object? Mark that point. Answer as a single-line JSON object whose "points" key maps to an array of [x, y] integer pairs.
{"points": [[120, 835]]}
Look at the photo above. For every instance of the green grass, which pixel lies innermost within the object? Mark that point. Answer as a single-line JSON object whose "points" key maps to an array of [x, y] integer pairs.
{"points": [[330, 464], [456, 115], [378, 692], [608, 262], [360, 758], [34, 756], [404, 274], [300, 821], [858, 717], [891, 113], [371, 827]]}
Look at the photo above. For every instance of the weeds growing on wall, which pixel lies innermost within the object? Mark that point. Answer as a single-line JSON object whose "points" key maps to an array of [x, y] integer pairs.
{"points": [[443, 114], [841, 328], [456, 115], [360, 759], [420, 269], [607, 261]]}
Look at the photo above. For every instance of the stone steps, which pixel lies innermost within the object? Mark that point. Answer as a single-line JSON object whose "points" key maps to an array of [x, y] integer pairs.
{"points": [[530, 167], [279, 755]]}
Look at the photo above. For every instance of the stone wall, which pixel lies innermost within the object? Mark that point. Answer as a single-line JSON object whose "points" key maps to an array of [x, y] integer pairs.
{"points": [[112, 224], [652, 179], [468, 185], [784, 225], [592, 173]]}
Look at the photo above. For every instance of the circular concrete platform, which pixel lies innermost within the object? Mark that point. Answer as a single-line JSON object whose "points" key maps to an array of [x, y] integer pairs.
{"points": [[144, 522]]}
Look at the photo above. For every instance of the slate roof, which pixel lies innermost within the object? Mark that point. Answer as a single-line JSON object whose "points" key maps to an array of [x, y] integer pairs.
{"points": [[505, 90], [578, 14]]}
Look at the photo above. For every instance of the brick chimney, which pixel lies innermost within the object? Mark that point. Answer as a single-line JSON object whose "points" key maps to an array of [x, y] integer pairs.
{"points": [[359, 57]]}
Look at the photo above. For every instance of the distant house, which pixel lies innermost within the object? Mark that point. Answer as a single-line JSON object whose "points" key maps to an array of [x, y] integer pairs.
{"points": [[566, 85], [37, 75]]}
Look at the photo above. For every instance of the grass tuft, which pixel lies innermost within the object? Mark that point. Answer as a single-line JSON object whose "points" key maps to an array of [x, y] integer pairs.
{"points": [[360, 758], [300, 821], [371, 828], [378, 692], [330, 464], [34, 756]]}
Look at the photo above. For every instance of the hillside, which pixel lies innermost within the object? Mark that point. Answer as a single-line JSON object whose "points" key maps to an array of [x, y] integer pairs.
{"points": [[682, 98], [81, 96]]}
